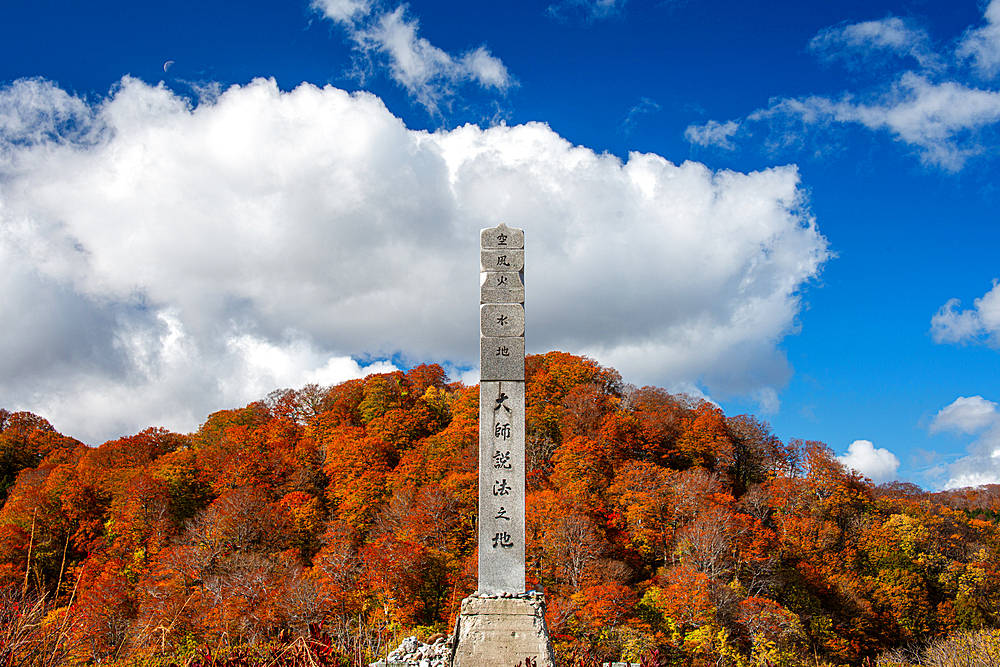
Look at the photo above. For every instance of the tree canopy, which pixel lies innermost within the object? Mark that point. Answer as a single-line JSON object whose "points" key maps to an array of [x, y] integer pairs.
{"points": [[653, 520]]}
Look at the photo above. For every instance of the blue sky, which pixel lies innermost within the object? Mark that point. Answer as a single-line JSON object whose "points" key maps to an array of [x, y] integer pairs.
{"points": [[786, 207]]}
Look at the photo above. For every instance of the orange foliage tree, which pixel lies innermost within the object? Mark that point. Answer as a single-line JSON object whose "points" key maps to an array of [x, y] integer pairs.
{"points": [[653, 519]]}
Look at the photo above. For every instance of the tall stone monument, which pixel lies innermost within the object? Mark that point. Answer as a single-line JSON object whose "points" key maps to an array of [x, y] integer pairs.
{"points": [[501, 624], [501, 412]]}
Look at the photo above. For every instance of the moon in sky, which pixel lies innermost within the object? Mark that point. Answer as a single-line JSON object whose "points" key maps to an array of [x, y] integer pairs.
{"points": [[167, 65]]}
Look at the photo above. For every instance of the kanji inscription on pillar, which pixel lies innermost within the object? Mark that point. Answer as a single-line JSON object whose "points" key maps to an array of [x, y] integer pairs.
{"points": [[502, 624], [501, 411]]}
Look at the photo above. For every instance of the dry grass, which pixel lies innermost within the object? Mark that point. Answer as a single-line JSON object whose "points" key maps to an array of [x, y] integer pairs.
{"points": [[963, 649], [32, 634]]}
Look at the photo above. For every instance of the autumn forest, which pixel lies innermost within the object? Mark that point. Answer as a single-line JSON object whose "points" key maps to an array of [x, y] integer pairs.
{"points": [[654, 521]]}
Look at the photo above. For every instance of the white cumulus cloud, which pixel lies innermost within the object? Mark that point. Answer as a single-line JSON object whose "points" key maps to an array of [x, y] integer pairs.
{"points": [[979, 417], [879, 465], [980, 324], [159, 260], [965, 415]]}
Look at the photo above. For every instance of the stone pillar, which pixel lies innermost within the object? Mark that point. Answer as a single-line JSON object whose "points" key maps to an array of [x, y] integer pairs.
{"points": [[501, 411], [501, 624]]}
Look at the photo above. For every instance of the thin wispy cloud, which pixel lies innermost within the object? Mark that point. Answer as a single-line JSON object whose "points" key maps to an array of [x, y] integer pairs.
{"points": [[644, 107], [587, 10], [713, 133], [389, 39], [862, 44], [163, 260], [981, 46], [936, 108]]}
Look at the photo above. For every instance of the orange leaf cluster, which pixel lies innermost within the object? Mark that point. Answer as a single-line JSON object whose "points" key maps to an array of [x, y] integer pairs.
{"points": [[653, 519]]}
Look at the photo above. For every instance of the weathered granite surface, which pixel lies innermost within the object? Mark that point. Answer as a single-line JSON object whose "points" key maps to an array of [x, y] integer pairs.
{"points": [[501, 625], [502, 631], [501, 358], [501, 287], [501, 487], [500, 259], [501, 236], [501, 319]]}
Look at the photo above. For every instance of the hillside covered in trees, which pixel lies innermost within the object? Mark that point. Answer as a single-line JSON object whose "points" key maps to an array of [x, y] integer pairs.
{"points": [[653, 521]]}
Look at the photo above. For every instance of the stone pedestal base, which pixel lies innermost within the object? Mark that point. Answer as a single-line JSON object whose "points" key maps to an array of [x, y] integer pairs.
{"points": [[502, 632]]}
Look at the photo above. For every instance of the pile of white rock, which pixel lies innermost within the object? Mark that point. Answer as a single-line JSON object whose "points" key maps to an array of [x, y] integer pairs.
{"points": [[414, 653]]}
